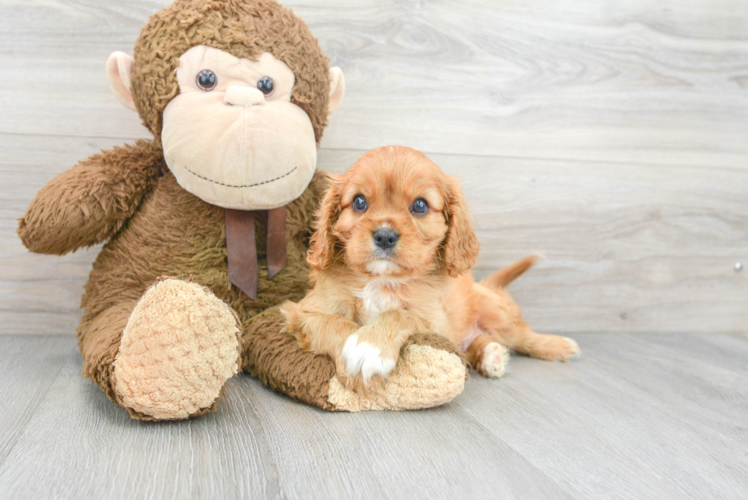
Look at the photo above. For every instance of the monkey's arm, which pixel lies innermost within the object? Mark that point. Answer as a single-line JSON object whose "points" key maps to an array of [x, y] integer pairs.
{"points": [[90, 202]]}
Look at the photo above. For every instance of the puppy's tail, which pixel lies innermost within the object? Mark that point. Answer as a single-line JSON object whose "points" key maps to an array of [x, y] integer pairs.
{"points": [[505, 275]]}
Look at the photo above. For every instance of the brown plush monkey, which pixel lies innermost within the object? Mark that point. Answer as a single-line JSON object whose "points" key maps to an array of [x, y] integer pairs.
{"points": [[208, 224]]}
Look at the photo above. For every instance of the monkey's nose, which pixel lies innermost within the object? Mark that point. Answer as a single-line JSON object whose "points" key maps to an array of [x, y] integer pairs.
{"points": [[238, 95], [385, 238]]}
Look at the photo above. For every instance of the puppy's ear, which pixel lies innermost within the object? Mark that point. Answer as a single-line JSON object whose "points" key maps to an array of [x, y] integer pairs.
{"points": [[322, 245], [461, 244]]}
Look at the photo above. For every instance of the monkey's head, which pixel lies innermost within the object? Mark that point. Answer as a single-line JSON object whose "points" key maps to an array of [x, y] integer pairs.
{"points": [[237, 91]]}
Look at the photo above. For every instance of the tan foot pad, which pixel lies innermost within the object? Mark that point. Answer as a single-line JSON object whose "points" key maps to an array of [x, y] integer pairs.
{"points": [[424, 377], [179, 347]]}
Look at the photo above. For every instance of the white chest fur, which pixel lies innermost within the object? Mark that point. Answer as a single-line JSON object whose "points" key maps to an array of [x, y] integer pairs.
{"points": [[378, 296]]}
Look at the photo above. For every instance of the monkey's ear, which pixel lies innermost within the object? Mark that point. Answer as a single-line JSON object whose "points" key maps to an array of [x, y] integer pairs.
{"points": [[337, 88], [119, 68]]}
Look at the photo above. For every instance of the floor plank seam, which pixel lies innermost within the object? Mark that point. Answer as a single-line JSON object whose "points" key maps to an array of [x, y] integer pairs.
{"points": [[559, 159], [41, 400], [264, 446], [427, 151], [527, 459]]}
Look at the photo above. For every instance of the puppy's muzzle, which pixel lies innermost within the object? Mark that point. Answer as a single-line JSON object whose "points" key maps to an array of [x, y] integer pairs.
{"points": [[385, 238]]}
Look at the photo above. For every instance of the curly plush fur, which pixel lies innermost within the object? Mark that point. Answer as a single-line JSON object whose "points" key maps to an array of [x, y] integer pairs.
{"points": [[156, 230], [244, 29]]}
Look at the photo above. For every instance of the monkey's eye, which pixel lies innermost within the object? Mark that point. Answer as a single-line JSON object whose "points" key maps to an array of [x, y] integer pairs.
{"points": [[420, 207], [207, 80], [359, 203], [265, 85]]}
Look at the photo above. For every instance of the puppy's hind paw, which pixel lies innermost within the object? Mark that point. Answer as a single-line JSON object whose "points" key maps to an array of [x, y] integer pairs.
{"points": [[576, 352], [494, 360], [553, 348]]}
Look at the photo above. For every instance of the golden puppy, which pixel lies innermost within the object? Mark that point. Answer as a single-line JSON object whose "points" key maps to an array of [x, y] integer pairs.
{"points": [[391, 257]]}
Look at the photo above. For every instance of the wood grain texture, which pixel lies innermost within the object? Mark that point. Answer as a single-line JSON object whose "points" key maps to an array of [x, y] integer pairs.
{"points": [[28, 367], [609, 137], [80, 445], [644, 415], [627, 247], [634, 81], [638, 416]]}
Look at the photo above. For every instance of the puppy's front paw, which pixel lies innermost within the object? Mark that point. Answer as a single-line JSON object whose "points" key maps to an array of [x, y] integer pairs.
{"points": [[493, 361], [362, 358]]}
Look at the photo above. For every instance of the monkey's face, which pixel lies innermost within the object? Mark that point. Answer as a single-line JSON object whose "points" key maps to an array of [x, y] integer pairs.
{"points": [[240, 116], [232, 137]]}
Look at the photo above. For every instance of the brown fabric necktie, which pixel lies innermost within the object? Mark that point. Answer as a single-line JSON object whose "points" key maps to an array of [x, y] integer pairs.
{"points": [[276, 247], [242, 250]]}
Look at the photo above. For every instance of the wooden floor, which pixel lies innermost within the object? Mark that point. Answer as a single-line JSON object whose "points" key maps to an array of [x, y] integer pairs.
{"points": [[637, 416]]}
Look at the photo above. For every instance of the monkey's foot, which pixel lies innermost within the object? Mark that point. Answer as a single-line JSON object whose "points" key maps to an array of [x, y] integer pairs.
{"points": [[429, 373], [178, 349]]}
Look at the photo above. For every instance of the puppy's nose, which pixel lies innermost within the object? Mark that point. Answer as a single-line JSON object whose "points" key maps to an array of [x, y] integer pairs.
{"points": [[385, 238]]}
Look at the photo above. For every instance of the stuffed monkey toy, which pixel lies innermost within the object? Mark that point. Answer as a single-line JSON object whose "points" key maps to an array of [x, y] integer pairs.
{"points": [[207, 225]]}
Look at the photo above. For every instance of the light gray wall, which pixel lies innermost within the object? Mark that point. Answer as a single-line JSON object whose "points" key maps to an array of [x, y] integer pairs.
{"points": [[610, 136]]}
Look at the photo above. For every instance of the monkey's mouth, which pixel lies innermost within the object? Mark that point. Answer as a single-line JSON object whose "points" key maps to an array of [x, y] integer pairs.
{"points": [[242, 185]]}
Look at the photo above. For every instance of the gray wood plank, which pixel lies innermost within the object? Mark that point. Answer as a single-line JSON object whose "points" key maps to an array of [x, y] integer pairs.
{"points": [[727, 351], [627, 420], [80, 445], [627, 247], [641, 223], [438, 453], [258, 444], [631, 82], [638, 416], [28, 367]]}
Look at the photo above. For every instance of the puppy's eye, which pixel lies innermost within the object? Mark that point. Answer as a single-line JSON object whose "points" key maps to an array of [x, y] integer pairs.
{"points": [[266, 85], [207, 80], [420, 207], [359, 203]]}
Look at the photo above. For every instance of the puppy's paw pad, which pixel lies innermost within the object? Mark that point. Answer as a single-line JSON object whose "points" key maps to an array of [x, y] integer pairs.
{"points": [[365, 359], [494, 360]]}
